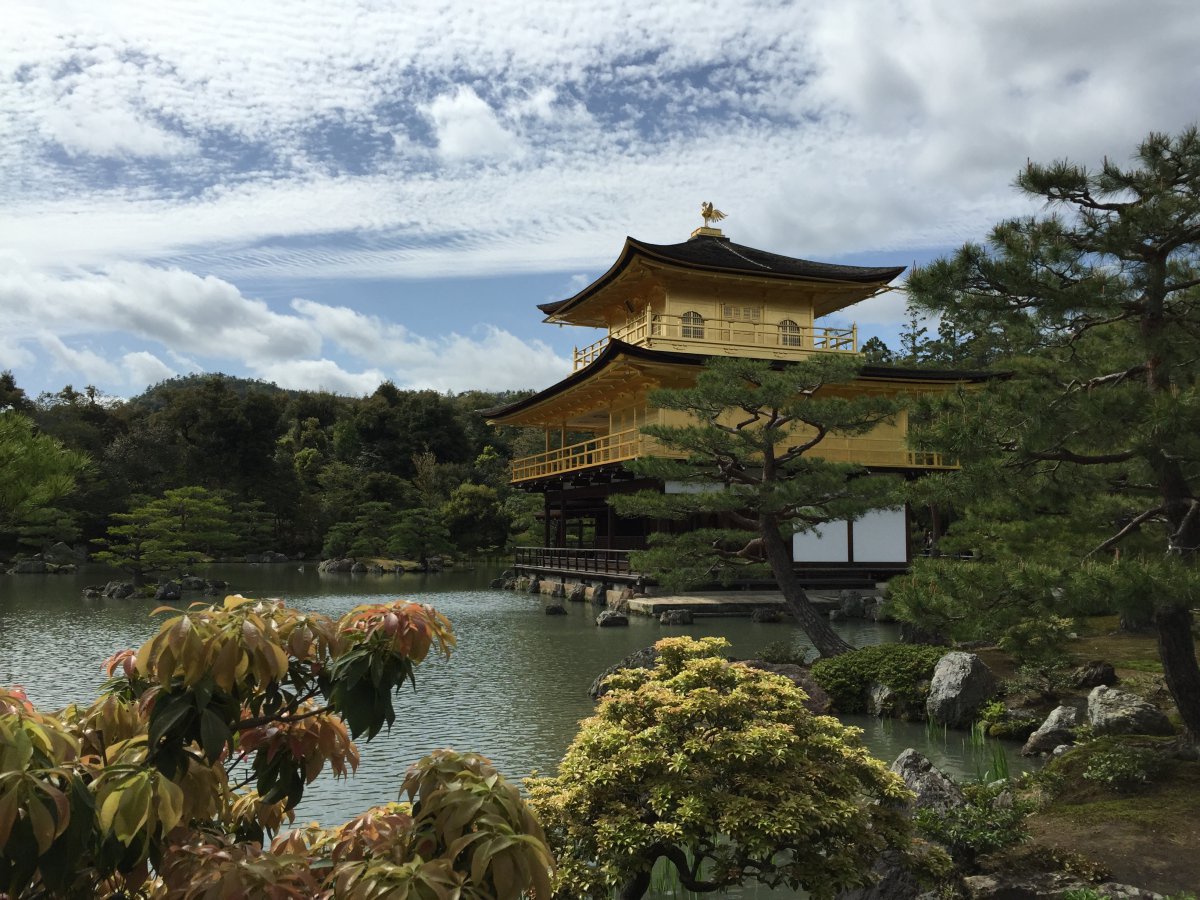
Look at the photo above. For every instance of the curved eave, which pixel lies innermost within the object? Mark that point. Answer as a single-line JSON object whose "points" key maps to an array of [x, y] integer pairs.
{"points": [[634, 248], [615, 349]]}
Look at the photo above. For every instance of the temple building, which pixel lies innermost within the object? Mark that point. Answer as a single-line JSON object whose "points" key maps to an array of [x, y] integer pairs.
{"points": [[667, 309]]}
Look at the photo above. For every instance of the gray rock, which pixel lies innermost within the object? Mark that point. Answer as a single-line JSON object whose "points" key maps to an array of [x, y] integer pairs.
{"points": [[118, 590], [339, 564], [359, 568], [610, 618], [766, 614], [1060, 750], [169, 592], [92, 594], [961, 684], [496, 584], [835, 615], [675, 617], [881, 699], [646, 658], [1058, 729], [853, 605], [578, 593], [30, 567], [1004, 886], [534, 586], [274, 556], [191, 583], [1111, 711], [555, 608], [934, 789], [1094, 674], [64, 569], [559, 590], [63, 553]]}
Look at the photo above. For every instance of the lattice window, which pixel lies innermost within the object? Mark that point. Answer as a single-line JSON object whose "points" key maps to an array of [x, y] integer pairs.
{"points": [[789, 333], [693, 325], [742, 313]]}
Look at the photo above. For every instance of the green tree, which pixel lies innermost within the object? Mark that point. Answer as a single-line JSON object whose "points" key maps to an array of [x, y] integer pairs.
{"points": [[474, 518], [36, 472], [168, 532], [419, 535], [722, 771], [875, 352], [753, 451], [1094, 438], [200, 747]]}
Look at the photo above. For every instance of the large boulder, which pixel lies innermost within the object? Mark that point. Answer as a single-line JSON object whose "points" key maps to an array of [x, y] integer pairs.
{"points": [[554, 607], [578, 593], [30, 567], [274, 556], [118, 590], [610, 618], [63, 553], [534, 586], [646, 658], [1111, 711], [675, 617], [191, 583], [961, 684], [359, 568], [818, 701], [934, 789], [1058, 729], [169, 592], [1094, 674], [340, 564]]}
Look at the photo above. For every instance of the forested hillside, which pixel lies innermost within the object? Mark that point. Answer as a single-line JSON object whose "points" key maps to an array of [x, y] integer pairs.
{"points": [[300, 472]]}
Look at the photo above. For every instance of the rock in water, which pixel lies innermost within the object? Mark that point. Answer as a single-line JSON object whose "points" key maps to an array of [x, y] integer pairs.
{"points": [[961, 684], [169, 592], [766, 614], [610, 618], [578, 593], [555, 608], [1058, 729], [934, 789], [1111, 711], [675, 617]]}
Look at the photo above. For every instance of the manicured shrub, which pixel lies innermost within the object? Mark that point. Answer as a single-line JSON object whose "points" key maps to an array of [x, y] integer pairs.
{"points": [[1124, 768], [991, 820], [905, 668]]}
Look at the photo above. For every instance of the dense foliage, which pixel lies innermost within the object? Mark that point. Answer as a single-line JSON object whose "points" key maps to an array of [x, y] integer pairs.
{"points": [[722, 771], [905, 668], [36, 474], [300, 470], [200, 747]]}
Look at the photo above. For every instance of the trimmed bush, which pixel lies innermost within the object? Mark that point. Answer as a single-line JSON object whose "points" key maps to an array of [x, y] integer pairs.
{"points": [[905, 668]]}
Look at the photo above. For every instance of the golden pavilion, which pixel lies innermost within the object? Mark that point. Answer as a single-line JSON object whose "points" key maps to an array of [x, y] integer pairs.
{"points": [[667, 309]]}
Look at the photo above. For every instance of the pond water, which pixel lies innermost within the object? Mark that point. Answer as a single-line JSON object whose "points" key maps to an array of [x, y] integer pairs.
{"points": [[514, 690]]}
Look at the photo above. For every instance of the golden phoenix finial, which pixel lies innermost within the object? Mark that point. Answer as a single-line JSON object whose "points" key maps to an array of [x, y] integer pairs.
{"points": [[710, 213]]}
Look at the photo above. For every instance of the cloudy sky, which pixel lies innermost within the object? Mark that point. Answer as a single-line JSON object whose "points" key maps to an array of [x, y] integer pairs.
{"points": [[334, 193]]}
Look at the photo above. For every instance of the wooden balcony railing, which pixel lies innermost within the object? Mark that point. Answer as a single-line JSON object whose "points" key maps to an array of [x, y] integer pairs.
{"points": [[610, 448], [630, 444], [574, 559], [781, 341]]}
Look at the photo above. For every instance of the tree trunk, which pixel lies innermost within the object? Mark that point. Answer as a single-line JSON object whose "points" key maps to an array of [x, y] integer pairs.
{"points": [[1177, 650], [636, 887], [816, 626]]}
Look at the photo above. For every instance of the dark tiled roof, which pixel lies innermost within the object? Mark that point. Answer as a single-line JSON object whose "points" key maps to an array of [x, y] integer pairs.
{"points": [[619, 348], [719, 254]]}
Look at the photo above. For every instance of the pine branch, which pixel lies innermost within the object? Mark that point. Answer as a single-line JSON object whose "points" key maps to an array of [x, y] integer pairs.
{"points": [[1130, 526]]}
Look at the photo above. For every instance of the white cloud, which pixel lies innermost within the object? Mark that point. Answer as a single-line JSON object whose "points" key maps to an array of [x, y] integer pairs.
{"points": [[468, 129], [80, 126], [94, 368], [142, 368], [320, 375]]}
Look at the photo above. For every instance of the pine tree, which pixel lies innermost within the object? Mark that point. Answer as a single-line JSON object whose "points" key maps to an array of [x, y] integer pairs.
{"points": [[1094, 436], [752, 446]]}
